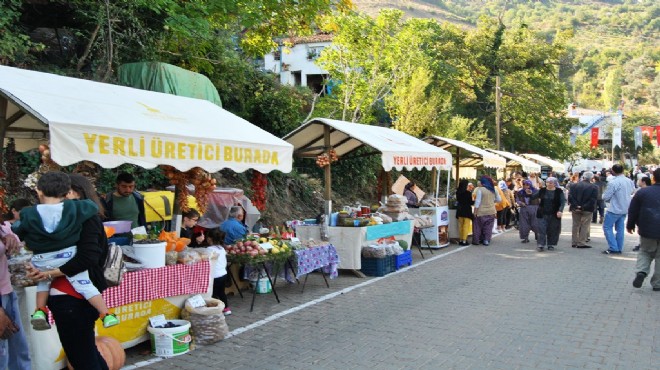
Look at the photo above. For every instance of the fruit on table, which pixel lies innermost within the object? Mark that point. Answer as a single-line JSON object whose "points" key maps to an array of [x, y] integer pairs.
{"points": [[248, 247], [109, 231], [173, 243]]}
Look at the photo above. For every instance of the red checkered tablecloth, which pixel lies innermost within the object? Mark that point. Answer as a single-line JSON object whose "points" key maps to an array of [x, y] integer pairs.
{"points": [[168, 281]]}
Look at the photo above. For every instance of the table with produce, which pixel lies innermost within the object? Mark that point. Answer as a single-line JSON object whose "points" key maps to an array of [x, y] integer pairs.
{"points": [[266, 258]]}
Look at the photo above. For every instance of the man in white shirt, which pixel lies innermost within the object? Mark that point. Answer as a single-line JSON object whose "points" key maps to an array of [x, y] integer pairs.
{"points": [[618, 193]]}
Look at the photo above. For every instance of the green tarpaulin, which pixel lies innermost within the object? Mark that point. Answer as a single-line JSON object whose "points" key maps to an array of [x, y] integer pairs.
{"points": [[166, 78]]}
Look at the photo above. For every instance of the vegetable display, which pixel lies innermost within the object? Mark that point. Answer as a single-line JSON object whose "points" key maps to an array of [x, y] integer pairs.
{"points": [[259, 183], [323, 160]]}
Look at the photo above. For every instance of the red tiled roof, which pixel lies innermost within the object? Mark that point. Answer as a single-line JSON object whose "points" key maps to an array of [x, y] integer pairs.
{"points": [[308, 39]]}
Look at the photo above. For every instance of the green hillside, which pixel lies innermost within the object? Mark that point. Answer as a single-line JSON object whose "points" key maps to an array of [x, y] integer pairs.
{"points": [[615, 49]]}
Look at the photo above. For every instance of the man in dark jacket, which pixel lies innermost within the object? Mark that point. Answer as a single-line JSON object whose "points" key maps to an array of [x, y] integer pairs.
{"points": [[125, 203], [582, 199], [644, 211], [600, 203]]}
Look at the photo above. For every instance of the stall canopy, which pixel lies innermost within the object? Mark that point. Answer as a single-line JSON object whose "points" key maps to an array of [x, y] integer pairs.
{"points": [[469, 155], [545, 161], [399, 150], [518, 161], [111, 125]]}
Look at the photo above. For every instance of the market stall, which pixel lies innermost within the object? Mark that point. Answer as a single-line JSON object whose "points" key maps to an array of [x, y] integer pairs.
{"points": [[466, 155], [112, 125], [555, 166], [515, 161], [328, 140]]}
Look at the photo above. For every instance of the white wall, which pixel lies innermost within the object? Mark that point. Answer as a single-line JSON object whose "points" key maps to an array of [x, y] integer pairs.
{"points": [[296, 59]]}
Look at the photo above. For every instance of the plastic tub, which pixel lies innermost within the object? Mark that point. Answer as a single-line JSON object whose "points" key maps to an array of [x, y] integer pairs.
{"points": [[151, 255], [119, 226]]}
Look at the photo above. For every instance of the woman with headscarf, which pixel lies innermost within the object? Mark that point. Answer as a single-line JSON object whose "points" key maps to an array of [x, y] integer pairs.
{"points": [[537, 183], [484, 211], [411, 197], [503, 207], [552, 202], [527, 210], [464, 211]]}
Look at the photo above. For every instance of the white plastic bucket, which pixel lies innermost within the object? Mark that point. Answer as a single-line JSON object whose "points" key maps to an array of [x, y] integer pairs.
{"points": [[151, 255], [168, 342]]}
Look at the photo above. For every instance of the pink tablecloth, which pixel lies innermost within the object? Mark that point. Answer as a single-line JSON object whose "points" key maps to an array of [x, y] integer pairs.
{"points": [[168, 281]]}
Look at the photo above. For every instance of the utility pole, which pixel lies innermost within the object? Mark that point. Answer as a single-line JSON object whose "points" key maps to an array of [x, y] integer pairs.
{"points": [[498, 113]]}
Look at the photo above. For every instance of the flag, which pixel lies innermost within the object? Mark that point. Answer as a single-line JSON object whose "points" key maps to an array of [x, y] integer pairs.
{"points": [[648, 131], [637, 133], [616, 137], [657, 135], [594, 137]]}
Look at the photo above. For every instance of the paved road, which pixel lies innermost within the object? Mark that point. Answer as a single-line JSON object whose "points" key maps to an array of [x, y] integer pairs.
{"points": [[505, 306]]}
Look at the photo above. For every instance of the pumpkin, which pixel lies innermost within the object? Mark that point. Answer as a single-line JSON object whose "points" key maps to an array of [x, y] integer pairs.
{"points": [[111, 351]]}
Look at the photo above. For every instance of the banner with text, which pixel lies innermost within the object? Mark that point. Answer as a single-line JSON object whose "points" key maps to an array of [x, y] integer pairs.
{"points": [[111, 148]]}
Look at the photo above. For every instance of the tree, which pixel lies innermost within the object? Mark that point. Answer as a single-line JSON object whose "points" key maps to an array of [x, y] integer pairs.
{"points": [[15, 44], [533, 101], [612, 91], [363, 60], [413, 104]]}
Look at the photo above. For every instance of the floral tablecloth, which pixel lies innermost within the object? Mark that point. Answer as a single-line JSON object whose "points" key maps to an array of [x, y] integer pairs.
{"points": [[311, 259]]}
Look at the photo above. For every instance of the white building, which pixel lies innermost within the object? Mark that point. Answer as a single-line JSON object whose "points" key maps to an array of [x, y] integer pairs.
{"points": [[588, 119], [294, 61]]}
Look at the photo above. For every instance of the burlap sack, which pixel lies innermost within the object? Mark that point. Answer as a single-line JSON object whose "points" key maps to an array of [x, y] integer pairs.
{"points": [[207, 324]]}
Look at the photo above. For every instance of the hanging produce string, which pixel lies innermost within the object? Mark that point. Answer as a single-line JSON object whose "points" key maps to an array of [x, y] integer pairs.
{"points": [[203, 181], [325, 159]]}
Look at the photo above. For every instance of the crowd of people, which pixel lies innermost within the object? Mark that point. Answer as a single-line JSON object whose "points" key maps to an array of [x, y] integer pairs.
{"points": [[534, 205]]}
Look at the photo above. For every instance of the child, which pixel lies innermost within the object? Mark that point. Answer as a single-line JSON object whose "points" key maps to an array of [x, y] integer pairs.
{"points": [[51, 230], [214, 238]]}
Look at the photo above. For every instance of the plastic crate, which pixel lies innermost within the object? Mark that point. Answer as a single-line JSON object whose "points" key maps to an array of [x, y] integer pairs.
{"points": [[377, 266], [401, 260]]}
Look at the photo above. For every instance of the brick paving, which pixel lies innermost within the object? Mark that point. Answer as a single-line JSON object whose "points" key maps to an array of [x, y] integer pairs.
{"points": [[505, 306]]}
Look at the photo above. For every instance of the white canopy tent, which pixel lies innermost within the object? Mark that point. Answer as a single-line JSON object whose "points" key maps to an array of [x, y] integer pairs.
{"points": [[398, 150], [112, 125], [467, 155], [518, 161], [545, 161]]}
